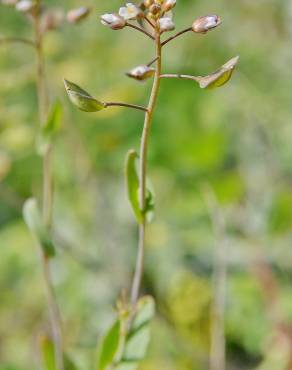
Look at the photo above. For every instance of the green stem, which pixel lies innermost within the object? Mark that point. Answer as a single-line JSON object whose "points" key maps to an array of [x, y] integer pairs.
{"points": [[143, 172], [47, 205]]}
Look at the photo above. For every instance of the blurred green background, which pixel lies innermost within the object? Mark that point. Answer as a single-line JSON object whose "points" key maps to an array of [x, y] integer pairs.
{"points": [[237, 139]]}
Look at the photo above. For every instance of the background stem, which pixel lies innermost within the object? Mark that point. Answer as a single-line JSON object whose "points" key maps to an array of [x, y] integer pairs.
{"points": [[143, 172], [9, 40], [47, 204], [218, 341]]}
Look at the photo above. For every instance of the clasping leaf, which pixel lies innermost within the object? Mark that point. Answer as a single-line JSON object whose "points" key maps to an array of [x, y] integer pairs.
{"points": [[33, 219], [50, 128], [133, 190], [133, 184]]}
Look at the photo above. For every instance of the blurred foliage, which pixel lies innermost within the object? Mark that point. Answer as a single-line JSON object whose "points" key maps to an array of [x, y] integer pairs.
{"points": [[237, 139]]}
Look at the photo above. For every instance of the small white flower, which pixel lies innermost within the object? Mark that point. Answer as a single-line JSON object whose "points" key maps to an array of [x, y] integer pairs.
{"points": [[130, 11], [141, 72], [166, 24], [114, 21]]}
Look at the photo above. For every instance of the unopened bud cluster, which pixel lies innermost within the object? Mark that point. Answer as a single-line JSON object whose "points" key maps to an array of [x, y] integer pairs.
{"points": [[158, 11]]}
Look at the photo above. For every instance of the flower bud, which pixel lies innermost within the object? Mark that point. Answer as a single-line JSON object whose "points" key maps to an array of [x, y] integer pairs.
{"points": [[81, 99], [77, 15], [168, 5], [155, 9], [206, 23], [148, 3], [166, 24], [141, 73], [114, 21]]}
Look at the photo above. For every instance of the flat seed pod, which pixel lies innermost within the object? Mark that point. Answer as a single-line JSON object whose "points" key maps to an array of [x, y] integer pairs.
{"points": [[81, 99], [220, 77]]}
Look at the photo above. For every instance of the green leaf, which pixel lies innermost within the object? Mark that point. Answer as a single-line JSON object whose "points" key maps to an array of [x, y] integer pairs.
{"points": [[220, 77], [133, 190], [33, 219], [53, 123], [133, 184], [122, 349], [109, 346], [50, 128], [48, 356], [81, 99]]}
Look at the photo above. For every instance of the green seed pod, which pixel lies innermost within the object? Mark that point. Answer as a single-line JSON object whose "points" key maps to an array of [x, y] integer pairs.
{"points": [[220, 77], [81, 99]]}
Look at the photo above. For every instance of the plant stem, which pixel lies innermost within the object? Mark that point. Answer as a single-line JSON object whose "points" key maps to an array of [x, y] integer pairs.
{"points": [[118, 104], [176, 35], [47, 194], [143, 172]]}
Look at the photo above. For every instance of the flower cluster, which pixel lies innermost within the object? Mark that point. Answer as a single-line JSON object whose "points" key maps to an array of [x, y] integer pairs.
{"points": [[156, 11]]}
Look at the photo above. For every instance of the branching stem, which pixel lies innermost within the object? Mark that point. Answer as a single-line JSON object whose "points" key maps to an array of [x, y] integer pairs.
{"points": [[143, 172], [141, 30]]}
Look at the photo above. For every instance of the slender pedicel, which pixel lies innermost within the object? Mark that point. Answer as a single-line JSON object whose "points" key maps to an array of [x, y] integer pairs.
{"points": [[118, 104], [176, 35]]}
